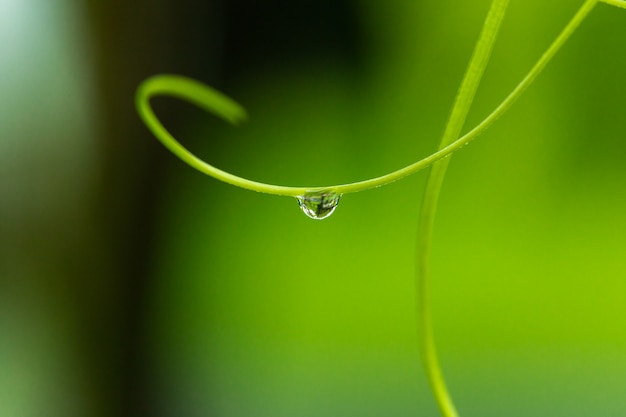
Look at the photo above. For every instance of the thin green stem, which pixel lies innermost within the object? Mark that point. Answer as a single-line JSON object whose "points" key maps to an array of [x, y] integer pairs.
{"points": [[222, 106], [461, 107], [215, 102], [438, 170]]}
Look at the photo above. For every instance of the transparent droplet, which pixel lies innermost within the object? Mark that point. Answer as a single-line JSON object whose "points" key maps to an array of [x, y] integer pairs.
{"points": [[319, 205]]}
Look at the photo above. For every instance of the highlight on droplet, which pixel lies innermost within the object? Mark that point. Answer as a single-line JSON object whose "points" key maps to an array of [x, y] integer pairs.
{"points": [[319, 205]]}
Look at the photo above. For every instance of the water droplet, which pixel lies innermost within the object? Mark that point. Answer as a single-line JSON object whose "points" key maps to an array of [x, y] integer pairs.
{"points": [[319, 205]]}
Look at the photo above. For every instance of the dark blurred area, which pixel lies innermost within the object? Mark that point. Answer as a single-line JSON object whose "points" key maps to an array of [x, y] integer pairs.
{"points": [[215, 41], [77, 237]]}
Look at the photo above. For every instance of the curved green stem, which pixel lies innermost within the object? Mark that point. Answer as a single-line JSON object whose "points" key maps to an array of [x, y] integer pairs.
{"points": [[461, 107], [222, 106], [438, 170], [215, 102]]}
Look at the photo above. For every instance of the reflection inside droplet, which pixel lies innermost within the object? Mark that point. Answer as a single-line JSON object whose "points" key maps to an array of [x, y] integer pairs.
{"points": [[319, 205]]}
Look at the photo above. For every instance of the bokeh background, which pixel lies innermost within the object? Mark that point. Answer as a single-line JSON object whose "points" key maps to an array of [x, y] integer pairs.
{"points": [[131, 285]]}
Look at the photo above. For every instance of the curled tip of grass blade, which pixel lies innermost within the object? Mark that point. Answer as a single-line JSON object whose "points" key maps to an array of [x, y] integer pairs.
{"points": [[208, 99], [199, 94]]}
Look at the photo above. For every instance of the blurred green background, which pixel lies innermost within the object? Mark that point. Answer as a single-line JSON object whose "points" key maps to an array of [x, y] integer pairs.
{"points": [[131, 285]]}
